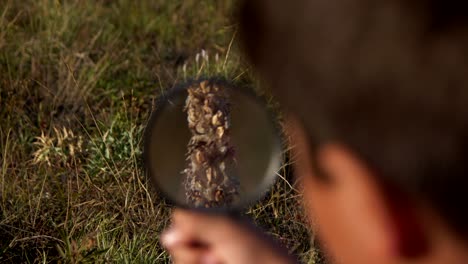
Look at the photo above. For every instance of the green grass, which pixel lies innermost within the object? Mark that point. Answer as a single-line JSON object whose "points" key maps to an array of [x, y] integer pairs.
{"points": [[77, 84]]}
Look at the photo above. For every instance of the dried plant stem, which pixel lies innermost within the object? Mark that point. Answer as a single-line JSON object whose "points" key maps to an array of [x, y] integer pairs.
{"points": [[209, 150]]}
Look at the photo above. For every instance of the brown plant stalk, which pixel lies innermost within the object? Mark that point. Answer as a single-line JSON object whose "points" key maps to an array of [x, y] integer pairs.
{"points": [[210, 151]]}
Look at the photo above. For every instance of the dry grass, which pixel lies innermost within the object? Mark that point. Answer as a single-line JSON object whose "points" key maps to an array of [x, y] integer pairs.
{"points": [[77, 80]]}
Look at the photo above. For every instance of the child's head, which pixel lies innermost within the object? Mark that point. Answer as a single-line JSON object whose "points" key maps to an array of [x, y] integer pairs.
{"points": [[385, 83]]}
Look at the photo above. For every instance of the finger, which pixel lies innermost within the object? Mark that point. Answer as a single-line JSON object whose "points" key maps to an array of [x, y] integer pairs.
{"points": [[177, 237], [210, 258], [206, 225], [185, 253], [214, 228], [171, 237], [195, 257], [187, 256]]}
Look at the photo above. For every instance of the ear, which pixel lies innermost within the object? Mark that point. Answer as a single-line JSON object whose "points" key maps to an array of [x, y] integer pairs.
{"points": [[383, 218], [355, 201], [355, 214]]}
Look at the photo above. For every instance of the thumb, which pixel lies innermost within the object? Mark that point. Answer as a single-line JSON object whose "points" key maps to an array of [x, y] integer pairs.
{"points": [[191, 228], [207, 226]]}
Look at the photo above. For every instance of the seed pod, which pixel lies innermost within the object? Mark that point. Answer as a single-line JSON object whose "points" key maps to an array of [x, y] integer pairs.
{"points": [[199, 157], [220, 132], [208, 174], [215, 120]]}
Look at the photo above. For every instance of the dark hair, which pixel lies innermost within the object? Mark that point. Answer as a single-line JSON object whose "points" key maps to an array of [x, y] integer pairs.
{"points": [[389, 79]]}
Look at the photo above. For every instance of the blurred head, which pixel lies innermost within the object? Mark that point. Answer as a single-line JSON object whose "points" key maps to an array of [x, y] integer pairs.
{"points": [[376, 92]]}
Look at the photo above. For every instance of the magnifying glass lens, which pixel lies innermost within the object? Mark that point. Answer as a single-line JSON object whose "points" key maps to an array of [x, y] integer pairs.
{"points": [[210, 144]]}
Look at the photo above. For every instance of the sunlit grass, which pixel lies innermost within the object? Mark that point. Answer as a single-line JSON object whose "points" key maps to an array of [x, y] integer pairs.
{"points": [[78, 81]]}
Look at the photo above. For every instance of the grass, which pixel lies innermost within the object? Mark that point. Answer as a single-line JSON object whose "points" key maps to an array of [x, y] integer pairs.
{"points": [[77, 84]]}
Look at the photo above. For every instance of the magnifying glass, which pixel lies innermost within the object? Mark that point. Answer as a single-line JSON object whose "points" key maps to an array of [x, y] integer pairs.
{"points": [[211, 144]]}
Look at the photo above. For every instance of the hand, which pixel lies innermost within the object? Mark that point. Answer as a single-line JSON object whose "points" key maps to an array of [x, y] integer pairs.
{"points": [[196, 237]]}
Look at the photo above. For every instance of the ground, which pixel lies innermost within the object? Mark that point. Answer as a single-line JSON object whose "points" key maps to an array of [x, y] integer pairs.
{"points": [[78, 81]]}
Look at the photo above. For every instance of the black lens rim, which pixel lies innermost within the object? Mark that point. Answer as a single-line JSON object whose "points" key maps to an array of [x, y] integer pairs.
{"points": [[161, 103]]}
